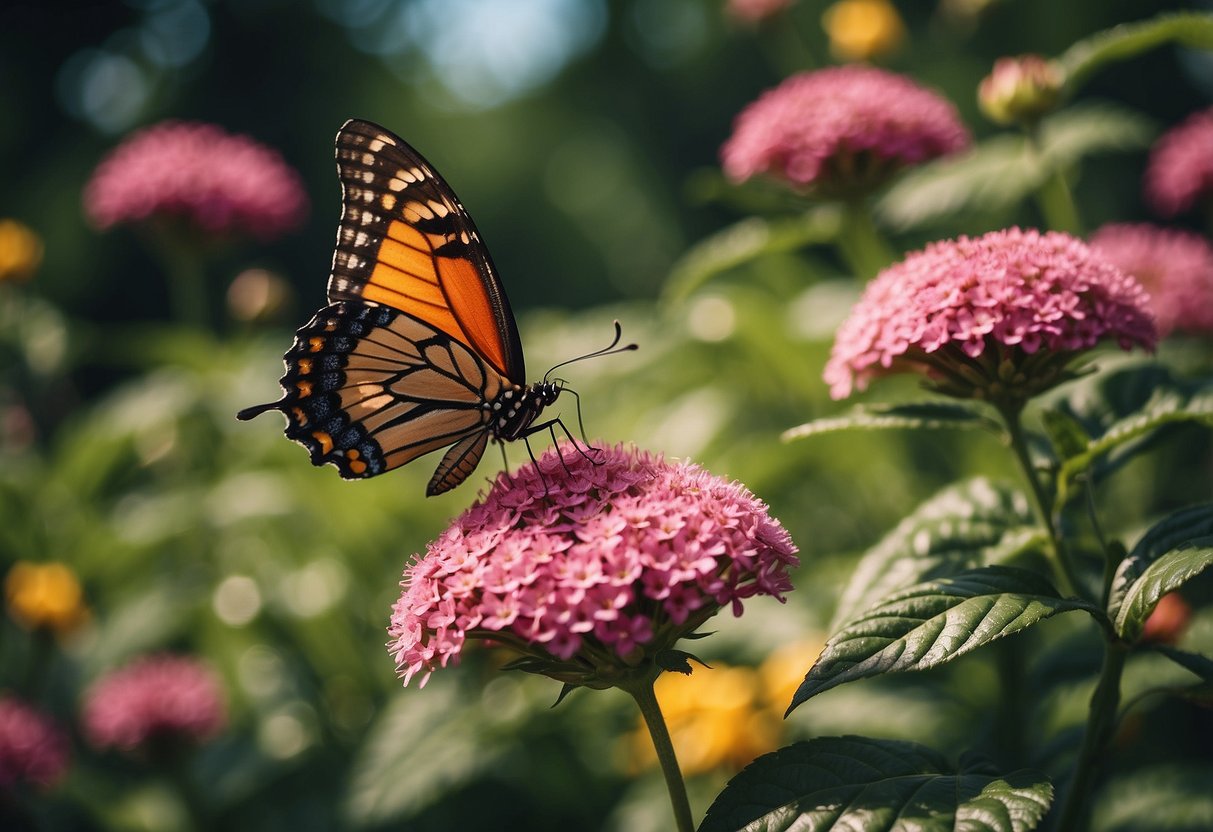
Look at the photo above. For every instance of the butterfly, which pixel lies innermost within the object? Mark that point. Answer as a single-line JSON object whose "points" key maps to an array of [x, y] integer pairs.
{"points": [[418, 349]]}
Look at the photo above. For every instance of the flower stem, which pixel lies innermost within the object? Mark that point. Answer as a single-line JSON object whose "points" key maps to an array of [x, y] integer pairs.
{"points": [[1063, 571], [1054, 198], [646, 699], [1100, 723], [862, 246]]}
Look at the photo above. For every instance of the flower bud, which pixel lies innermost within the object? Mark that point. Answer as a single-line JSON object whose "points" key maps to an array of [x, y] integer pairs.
{"points": [[1021, 90]]}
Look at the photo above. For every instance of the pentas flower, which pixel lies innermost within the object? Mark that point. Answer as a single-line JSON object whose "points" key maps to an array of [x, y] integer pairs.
{"points": [[841, 130], [33, 749], [590, 563], [996, 317], [754, 12], [154, 700], [215, 182], [1180, 171], [1174, 266]]}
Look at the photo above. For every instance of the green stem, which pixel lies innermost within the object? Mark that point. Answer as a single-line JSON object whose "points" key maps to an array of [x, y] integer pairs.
{"points": [[185, 274], [862, 246], [646, 699], [1063, 571], [1100, 723], [1054, 198]]}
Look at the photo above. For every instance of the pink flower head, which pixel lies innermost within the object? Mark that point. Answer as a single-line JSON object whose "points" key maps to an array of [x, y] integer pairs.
{"points": [[588, 566], [219, 183], [1175, 267], [1180, 170], [996, 317], [154, 699], [33, 749], [843, 129], [753, 12]]}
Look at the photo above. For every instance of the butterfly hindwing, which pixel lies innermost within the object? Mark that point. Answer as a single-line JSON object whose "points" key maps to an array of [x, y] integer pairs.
{"points": [[405, 241], [369, 388]]}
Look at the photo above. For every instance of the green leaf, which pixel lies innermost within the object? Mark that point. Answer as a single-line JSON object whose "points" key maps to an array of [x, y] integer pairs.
{"points": [[1161, 799], [1202, 666], [1089, 55], [1172, 552], [973, 523], [1124, 410], [856, 784], [1065, 432], [933, 623], [748, 240], [927, 415], [998, 174]]}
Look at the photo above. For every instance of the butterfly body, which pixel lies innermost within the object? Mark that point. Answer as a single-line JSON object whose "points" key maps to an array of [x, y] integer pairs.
{"points": [[417, 349]]}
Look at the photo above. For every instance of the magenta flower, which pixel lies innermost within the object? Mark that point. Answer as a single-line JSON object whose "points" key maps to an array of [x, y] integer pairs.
{"points": [[218, 183], [154, 699], [1174, 266], [588, 568], [995, 317], [1180, 170], [33, 749], [840, 130]]}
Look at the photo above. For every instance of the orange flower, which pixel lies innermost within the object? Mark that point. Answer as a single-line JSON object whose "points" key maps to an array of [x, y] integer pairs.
{"points": [[860, 30], [715, 719], [20, 252], [784, 670], [1168, 620], [45, 596]]}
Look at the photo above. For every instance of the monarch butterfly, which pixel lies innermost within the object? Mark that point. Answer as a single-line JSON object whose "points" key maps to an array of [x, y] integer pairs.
{"points": [[417, 349]]}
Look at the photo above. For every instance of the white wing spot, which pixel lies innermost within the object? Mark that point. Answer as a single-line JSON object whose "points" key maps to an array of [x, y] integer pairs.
{"points": [[440, 208], [386, 139], [397, 184], [368, 176], [376, 145], [367, 218], [368, 158], [407, 175], [361, 239], [420, 209], [388, 201]]}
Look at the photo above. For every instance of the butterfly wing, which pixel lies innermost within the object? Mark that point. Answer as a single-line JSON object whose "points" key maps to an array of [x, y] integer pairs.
{"points": [[405, 241], [369, 388]]}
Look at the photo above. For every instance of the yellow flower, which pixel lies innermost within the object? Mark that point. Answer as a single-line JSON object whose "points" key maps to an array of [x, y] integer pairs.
{"points": [[863, 29], [784, 670], [20, 251], [45, 595]]}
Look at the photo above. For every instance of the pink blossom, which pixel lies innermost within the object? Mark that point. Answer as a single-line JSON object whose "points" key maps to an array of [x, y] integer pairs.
{"points": [[1180, 170], [994, 316], [842, 128], [218, 183], [33, 749], [161, 697], [623, 554], [1174, 266], [755, 11]]}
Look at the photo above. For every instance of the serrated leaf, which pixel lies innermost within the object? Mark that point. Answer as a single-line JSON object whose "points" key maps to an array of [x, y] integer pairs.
{"points": [[1161, 799], [856, 784], [1119, 43], [747, 240], [1122, 412], [1175, 532], [973, 523], [933, 623], [927, 415], [999, 173], [1147, 575]]}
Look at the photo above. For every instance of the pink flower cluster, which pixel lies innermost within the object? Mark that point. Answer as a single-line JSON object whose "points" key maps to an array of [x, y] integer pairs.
{"points": [[33, 749], [219, 183], [1180, 171], [161, 697], [607, 556], [754, 11], [1008, 294], [1174, 266], [829, 126]]}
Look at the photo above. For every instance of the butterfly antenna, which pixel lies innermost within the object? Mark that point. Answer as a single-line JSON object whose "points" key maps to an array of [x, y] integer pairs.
{"points": [[609, 349]]}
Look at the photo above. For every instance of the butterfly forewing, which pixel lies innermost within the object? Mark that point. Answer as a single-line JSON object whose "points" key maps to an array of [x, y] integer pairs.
{"points": [[405, 241]]}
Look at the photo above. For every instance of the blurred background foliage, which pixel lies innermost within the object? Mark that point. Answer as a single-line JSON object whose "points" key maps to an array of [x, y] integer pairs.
{"points": [[583, 137]]}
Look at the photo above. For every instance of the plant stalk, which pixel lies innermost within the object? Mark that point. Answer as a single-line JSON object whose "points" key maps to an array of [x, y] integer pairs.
{"points": [[1054, 198], [1101, 722], [862, 246], [1063, 570], [646, 699]]}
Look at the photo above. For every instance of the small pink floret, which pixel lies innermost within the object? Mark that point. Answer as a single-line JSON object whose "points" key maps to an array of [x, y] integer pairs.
{"points": [[1180, 170], [33, 749]]}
